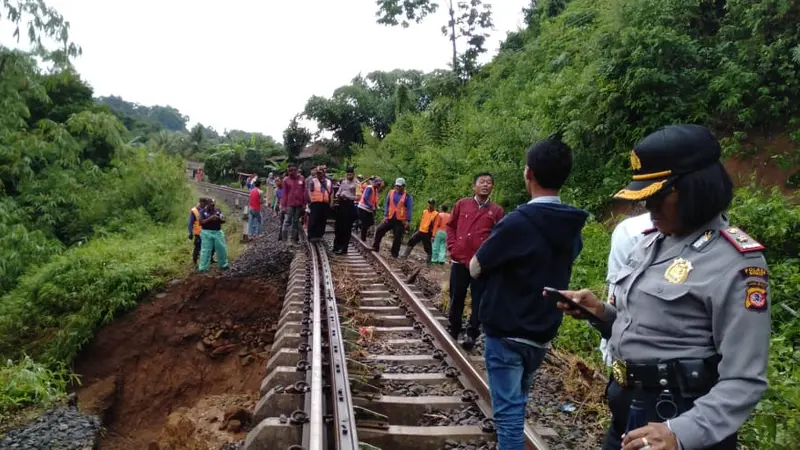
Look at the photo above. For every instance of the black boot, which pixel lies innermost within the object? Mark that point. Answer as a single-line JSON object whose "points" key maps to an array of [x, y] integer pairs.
{"points": [[468, 343]]}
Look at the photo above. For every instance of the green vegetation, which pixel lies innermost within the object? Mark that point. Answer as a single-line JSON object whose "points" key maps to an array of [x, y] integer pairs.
{"points": [[163, 128], [606, 73], [88, 223]]}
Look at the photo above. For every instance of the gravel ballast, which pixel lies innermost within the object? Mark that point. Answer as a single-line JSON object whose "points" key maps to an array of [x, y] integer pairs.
{"points": [[60, 428]]}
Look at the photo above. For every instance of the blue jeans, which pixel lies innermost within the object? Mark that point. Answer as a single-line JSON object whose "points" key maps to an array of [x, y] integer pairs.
{"points": [[511, 367], [254, 223]]}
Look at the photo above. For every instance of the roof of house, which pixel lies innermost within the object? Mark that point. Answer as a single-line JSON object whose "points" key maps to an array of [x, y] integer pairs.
{"points": [[194, 165], [312, 150]]}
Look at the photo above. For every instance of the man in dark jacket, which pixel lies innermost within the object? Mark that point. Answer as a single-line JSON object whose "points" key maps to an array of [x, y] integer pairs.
{"points": [[533, 247], [470, 224]]}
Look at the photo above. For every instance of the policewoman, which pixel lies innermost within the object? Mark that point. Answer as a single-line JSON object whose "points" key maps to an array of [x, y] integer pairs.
{"points": [[689, 329]]}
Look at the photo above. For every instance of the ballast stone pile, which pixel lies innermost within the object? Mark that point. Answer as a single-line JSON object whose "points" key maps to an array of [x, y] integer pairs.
{"points": [[265, 256], [61, 428]]}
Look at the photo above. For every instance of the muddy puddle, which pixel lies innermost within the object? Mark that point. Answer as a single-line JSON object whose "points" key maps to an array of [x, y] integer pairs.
{"points": [[182, 372]]}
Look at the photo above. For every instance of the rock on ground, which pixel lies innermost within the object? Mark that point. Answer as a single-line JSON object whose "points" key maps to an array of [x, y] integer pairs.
{"points": [[60, 428]]}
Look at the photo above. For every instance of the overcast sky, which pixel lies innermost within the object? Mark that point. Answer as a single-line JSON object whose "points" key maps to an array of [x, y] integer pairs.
{"points": [[248, 64]]}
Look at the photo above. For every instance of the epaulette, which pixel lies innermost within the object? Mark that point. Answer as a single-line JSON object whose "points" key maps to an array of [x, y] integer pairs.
{"points": [[741, 240], [649, 230]]}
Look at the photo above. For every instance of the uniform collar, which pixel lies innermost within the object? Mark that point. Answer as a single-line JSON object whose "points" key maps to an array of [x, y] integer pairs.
{"points": [[713, 226]]}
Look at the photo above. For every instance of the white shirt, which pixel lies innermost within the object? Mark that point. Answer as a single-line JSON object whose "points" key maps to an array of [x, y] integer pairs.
{"points": [[624, 237]]}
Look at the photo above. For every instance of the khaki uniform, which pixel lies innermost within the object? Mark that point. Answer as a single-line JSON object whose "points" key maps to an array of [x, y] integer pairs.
{"points": [[696, 297]]}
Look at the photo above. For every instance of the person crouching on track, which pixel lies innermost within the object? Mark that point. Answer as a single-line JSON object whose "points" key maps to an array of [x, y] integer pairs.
{"points": [[440, 236], [368, 206], [212, 237], [533, 247], [399, 205], [320, 196], [345, 212], [424, 233], [689, 330]]}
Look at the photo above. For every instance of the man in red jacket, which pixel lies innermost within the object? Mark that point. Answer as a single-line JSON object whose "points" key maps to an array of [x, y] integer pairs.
{"points": [[293, 202], [470, 223]]}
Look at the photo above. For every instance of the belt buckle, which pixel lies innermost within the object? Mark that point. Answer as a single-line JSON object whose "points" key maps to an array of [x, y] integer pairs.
{"points": [[619, 371]]}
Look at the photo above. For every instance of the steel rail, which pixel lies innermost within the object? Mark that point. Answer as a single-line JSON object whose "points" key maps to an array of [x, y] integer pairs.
{"points": [[345, 432], [315, 425], [469, 376]]}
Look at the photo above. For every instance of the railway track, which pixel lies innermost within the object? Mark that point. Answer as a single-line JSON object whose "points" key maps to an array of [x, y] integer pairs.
{"points": [[375, 369]]}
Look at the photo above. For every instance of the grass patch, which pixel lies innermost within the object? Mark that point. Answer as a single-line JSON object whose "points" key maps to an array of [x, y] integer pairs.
{"points": [[56, 308]]}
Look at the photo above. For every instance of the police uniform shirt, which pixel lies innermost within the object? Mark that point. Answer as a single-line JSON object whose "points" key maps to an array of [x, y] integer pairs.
{"points": [[698, 296]]}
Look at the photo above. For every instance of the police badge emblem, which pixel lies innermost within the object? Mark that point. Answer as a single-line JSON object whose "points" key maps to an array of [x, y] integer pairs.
{"points": [[678, 271]]}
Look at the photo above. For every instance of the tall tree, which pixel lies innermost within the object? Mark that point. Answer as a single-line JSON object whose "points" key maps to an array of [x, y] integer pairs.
{"points": [[40, 21], [468, 20], [295, 138], [372, 101]]}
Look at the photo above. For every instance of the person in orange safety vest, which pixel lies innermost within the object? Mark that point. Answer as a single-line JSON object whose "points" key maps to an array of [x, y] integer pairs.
{"points": [[399, 205], [320, 200], [195, 229], [368, 205], [440, 236], [424, 233]]}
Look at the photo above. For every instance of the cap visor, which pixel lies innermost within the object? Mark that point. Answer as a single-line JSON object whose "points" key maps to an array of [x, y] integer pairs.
{"points": [[642, 190]]}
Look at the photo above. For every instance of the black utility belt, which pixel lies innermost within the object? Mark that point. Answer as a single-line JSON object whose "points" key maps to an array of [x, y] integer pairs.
{"points": [[692, 377]]}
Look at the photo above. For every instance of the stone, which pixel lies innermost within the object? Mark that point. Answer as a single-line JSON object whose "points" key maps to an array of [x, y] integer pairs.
{"points": [[223, 350], [234, 426]]}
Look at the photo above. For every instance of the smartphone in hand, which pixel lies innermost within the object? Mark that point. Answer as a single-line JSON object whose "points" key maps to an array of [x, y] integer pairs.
{"points": [[557, 296]]}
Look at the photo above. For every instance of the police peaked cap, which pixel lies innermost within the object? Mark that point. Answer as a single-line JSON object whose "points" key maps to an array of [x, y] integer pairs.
{"points": [[666, 154]]}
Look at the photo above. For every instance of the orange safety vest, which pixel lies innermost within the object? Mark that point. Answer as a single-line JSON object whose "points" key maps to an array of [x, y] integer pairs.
{"points": [[397, 211], [428, 220], [196, 228], [441, 222], [373, 201], [360, 188], [317, 194]]}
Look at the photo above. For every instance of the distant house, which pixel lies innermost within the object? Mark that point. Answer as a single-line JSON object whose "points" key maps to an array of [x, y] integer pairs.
{"points": [[315, 149], [192, 167]]}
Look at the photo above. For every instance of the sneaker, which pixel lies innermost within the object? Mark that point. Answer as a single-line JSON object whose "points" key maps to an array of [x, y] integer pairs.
{"points": [[468, 343]]}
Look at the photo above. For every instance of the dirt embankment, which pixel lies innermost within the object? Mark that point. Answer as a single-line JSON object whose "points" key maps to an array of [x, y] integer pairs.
{"points": [[173, 372]]}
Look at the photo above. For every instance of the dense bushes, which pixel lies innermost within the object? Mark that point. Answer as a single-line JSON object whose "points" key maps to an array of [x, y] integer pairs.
{"points": [[83, 224], [607, 72]]}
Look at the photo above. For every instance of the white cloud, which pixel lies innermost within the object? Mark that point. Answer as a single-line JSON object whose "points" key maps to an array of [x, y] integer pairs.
{"points": [[248, 64]]}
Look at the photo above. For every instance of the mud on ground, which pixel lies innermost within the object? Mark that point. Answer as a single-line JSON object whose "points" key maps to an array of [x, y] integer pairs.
{"points": [[166, 375]]}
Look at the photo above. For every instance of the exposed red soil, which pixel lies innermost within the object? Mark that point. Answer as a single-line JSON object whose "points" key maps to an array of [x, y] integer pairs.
{"points": [[763, 166], [195, 352]]}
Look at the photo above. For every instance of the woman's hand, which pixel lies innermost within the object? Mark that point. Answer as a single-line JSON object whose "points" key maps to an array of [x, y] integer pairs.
{"points": [[655, 436], [585, 298]]}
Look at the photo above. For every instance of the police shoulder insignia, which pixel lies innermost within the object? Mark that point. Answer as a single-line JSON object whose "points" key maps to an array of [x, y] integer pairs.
{"points": [[678, 271], [756, 296], [741, 240], [702, 241], [755, 272]]}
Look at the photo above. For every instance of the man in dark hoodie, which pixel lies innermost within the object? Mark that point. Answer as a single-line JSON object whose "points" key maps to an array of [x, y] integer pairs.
{"points": [[533, 247]]}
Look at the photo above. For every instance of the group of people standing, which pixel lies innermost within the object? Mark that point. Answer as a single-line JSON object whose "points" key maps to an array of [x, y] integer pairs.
{"points": [[685, 325], [205, 229]]}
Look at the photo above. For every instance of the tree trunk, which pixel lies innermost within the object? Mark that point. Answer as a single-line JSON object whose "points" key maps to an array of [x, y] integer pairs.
{"points": [[452, 24]]}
